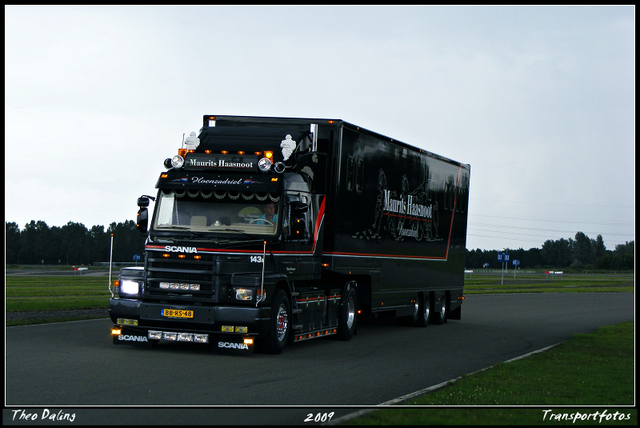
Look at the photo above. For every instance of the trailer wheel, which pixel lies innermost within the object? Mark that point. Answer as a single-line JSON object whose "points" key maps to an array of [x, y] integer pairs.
{"points": [[440, 317], [415, 316], [279, 325], [424, 312], [348, 315]]}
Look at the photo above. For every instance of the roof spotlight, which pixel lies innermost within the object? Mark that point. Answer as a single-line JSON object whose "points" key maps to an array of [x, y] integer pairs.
{"points": [[177, 161], [264, 164]]}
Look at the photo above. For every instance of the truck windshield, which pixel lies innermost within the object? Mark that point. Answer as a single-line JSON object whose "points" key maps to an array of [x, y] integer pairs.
{"points": [[217, 211]]}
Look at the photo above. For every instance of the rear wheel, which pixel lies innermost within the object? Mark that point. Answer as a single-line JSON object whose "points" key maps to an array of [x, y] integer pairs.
{"points": [[279, 325], [424, 312], [348, 315], [440, 317]]}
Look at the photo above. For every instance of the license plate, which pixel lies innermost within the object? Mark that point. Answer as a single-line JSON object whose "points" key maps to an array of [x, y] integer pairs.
{"points": [[176, 313]]}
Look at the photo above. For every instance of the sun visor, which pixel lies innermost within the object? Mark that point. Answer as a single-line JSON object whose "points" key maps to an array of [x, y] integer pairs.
{"points": [[226, 182]]}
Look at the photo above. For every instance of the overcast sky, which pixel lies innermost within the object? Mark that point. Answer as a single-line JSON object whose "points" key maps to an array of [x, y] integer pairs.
{"points": [[539, 100]]}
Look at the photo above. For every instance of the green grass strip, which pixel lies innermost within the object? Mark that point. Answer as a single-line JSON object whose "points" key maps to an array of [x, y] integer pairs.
{"points": [[42, 293]]}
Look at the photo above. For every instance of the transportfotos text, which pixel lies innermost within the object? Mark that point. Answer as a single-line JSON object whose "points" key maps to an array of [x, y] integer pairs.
{"points": [[597, 416]]}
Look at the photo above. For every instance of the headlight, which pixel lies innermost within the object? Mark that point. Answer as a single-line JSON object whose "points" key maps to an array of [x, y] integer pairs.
{"points": [[244, 294], [129, 287]]}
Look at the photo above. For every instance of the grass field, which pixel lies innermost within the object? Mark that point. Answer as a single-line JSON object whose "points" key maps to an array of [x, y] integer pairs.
{"points": [[49, 293], [542, 283]]}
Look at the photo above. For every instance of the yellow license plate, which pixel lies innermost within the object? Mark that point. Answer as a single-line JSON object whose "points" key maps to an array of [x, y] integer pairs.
{"points": [[177, 313]]}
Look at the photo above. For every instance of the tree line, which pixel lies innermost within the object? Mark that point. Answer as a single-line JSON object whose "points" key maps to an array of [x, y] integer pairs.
{"points": [[579, 254], [74, 244]]}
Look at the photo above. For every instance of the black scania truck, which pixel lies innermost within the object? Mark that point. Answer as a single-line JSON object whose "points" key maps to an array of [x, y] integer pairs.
{"points": [[268, 231]]}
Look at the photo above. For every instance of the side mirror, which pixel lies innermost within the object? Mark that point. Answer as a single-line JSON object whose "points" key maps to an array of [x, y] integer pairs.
{"points": [[143, 220], [297, 206], [143, 214], [297, 229], [297, 209]]}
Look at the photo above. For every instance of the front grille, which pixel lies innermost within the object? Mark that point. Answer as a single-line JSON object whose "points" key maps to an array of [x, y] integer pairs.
{"points": [[186, 270]]}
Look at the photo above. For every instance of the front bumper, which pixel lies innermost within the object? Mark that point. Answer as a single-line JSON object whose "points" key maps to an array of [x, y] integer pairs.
{"points": [[223, 320]]}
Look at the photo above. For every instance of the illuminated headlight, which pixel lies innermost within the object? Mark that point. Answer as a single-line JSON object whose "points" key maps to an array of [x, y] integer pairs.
{"points": [[245, 294], [177, 161], [264, 164], [129, 287]]}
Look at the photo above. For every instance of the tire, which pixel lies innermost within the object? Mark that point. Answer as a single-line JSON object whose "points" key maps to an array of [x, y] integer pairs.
{"points": [[279, 325], [414, 318], [348, 319], [424, 312], [440, 317]]}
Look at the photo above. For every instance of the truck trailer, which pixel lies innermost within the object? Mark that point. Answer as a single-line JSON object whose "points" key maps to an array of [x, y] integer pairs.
{"points": [[267, 231]]}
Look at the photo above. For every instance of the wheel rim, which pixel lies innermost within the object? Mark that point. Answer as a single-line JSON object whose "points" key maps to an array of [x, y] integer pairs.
{"points": [[426, 311], [283, 323]]}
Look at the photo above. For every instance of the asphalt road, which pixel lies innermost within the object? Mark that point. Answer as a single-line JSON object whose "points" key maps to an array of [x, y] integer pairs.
{"points": [[74, 368]]}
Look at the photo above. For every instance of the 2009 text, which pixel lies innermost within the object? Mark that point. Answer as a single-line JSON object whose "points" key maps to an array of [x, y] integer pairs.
{"points": [[319, 417]]}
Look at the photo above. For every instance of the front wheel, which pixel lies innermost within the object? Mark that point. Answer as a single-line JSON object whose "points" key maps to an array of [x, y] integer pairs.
{"points": [[348, 315], [279, 325]]}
